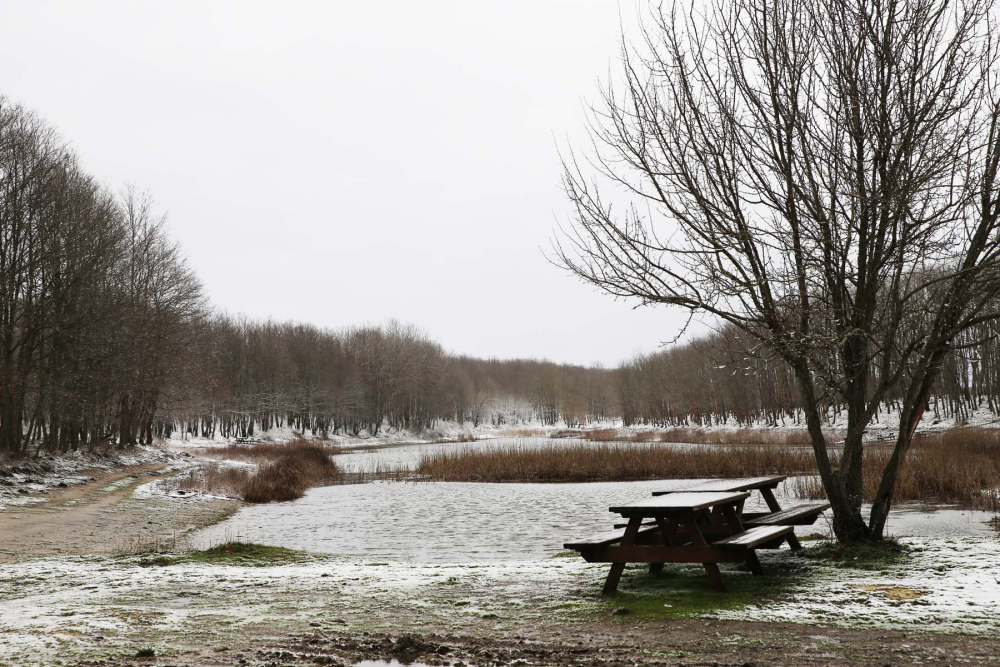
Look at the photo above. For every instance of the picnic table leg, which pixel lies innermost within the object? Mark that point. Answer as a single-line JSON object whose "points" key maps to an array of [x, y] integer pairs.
{"points": [[667, 527], [772, 504], [733, 517], [628, 539], [711, 569], [754, 563]]}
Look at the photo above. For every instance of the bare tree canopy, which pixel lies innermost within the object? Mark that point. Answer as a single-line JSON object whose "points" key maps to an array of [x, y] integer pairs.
{"points": [[820, 174]]}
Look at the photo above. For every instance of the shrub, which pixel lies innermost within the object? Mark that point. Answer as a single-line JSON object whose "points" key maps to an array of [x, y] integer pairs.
{"points": [[284, 471]]}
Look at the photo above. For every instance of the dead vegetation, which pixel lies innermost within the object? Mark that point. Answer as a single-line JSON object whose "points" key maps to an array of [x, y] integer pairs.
{"points": [[958, 466], [744, 436], [610, 462], [282, 471], [961, 465]]}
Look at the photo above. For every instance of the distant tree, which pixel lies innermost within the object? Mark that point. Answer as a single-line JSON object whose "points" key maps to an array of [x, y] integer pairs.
{"points": [[822, 176]]}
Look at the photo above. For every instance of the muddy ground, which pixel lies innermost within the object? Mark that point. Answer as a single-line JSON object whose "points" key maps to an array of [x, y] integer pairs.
{"points": [[78, 587]]}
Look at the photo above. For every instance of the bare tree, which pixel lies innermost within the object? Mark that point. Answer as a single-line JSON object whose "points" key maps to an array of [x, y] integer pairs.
{"points": [[820, 174]]}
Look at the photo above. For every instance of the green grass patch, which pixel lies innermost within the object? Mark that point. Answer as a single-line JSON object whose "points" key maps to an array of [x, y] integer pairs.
{"points": [[685, 592], [244, 554], [157, 561], [878, 557]]}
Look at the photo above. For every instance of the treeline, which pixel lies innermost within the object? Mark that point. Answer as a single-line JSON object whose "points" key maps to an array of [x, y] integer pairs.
{"points": [[106, 338], [96, 305], [721, 379], [260, 375]]}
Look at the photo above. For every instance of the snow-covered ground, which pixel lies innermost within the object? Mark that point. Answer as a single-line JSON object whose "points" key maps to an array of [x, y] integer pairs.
{"points": [[70, 606], [26, 481]]}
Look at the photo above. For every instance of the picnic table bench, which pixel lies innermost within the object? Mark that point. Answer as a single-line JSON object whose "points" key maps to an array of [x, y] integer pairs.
{"points": [[248, 440], [697, 521]]}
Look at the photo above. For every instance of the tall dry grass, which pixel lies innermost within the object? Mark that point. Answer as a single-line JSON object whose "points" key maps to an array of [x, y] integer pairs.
{"points": [[958, 466], [961, 466], [747, 436], [283, 471], [610, 462]]}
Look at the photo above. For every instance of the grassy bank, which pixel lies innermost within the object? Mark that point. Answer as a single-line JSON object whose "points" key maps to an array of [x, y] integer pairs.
{"points": [[961, 465], [282, 471]]}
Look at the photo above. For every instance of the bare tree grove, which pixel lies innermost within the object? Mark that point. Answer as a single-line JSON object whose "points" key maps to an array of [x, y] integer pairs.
{"points": [[820, 176]]}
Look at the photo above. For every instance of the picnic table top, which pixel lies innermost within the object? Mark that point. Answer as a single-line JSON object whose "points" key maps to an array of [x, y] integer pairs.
{"points": [[737, 484], [677, 503]]}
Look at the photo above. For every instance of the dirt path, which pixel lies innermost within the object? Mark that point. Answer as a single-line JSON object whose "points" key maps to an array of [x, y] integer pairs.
{"points": [[102, 516]]}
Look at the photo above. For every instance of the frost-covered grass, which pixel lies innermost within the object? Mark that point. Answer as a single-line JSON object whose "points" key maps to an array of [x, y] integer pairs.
{"points": [[60, 605], [236, 553], [25, 480]]}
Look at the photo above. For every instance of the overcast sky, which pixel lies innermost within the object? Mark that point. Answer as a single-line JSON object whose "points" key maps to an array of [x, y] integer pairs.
{"points": [[348, 162]]}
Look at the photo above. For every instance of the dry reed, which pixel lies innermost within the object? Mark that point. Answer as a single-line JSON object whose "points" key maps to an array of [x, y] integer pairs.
{"points": [[958, 466], [283, 472], [747, 436], [961, 465], [610, 462]]}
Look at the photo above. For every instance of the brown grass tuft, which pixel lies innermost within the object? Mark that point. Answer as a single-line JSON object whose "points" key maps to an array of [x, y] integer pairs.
{"points": [[284, 471], [960, 465]]}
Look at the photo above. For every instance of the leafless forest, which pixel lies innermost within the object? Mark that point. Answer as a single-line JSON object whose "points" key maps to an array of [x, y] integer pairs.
{"points": [[108, 338]]}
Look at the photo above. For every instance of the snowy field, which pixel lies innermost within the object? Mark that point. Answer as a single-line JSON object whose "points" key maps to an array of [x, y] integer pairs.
{"points": [[454, 556]]}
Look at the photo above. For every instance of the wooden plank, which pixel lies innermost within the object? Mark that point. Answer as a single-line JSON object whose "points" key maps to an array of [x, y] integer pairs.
{"points": [[638, 554], [605, 539], [751, 537], [677, 503], [799, 515], [711, 569], [754, 563], [737, 484], [772, 502]]}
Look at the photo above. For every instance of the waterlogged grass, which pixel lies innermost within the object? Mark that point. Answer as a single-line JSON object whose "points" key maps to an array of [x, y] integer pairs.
{"points": [[238, 554], [684, 592]]}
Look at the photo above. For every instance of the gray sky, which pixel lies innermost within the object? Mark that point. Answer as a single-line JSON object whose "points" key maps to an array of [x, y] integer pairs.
{"points": [[348, 162]]}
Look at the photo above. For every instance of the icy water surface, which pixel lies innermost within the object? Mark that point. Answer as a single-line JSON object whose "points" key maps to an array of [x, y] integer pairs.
{"points": [[474, 522], [435, 521]]}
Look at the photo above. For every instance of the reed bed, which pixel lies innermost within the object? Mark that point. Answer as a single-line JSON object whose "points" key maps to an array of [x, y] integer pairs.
{"points": [[610, 462], [961, 466], [748, 436], [958, 466], [266, 451]]}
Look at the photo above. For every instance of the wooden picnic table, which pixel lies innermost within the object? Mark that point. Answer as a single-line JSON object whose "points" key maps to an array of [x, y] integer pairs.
{"points": [[698, 521], [696, 527], [803, 514]]}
